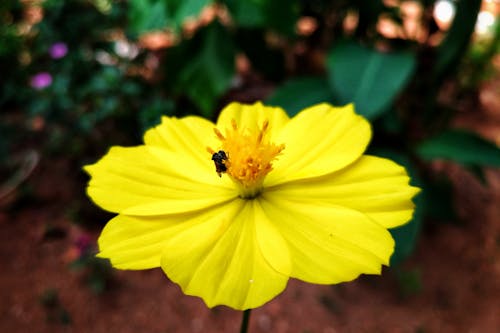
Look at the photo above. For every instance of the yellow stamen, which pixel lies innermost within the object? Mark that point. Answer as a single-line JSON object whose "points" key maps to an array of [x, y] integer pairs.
{"points": [[249, 156]]}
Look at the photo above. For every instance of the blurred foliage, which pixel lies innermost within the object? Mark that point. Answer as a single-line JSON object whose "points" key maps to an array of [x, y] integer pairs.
{"points": [[368, 78], [409, 282], [55, 312], [97, 272], [130, 62]]}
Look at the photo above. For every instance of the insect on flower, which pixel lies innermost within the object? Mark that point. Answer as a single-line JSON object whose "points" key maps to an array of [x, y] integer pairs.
{"points": [[219, 158]]}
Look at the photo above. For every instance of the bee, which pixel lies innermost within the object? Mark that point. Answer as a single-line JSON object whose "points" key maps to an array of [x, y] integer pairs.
{"points": [[219, 158]]}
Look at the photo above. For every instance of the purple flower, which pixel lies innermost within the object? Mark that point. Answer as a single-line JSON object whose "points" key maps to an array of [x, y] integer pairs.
{"points": [[58, 50], [41, 80], [84, 244]]}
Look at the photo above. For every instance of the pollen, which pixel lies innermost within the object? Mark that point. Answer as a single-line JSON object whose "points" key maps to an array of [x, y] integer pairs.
{"points": [[249, 156]]}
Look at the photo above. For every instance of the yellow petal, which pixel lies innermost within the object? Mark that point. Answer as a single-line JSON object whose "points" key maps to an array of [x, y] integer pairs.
{"points": [[374, 186], [252, 117], [271, 243], [137, 242], [131, 242], [148, 180], [319, 140], [189, 136], [328, 244], [221, 260]]}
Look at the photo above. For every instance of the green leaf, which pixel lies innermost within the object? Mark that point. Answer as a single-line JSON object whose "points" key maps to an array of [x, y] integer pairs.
{"points": [[246, 13], [278, 15], [184, 9], [438, 197], [150, 15], [147, 15], [369, 78], [299, 93], [462, 147], [389, 123], [281, 15], [406, 236], [453, 47], [207, 67], [151, 113]]}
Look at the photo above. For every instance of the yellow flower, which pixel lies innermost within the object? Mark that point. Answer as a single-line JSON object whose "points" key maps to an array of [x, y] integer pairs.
{"points": [[232, 210]]}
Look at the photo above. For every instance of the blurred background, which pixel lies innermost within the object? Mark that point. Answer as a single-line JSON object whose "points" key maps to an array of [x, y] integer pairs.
{"points": [[79, 76]]}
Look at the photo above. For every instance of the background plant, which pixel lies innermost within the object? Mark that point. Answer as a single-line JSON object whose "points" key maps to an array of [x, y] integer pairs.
{"points": [[129, 62]]}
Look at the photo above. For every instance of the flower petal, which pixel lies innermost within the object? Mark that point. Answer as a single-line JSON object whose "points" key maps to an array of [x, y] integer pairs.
{"points": [[132, 242], [252, 117], [189, 136], [148, 180], [374, 186], [137, 242], [220, 260], [328, 244], [271, 243], [319, 140]]}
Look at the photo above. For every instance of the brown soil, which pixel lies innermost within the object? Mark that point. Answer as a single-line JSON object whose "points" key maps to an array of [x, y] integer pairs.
{"points": [[458, 266]]}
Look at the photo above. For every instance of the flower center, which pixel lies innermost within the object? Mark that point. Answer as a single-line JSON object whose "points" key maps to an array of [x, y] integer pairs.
{"points": [[245, 156]]}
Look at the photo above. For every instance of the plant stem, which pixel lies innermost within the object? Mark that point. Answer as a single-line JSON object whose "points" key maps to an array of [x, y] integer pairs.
{"points": [[245, 320]]}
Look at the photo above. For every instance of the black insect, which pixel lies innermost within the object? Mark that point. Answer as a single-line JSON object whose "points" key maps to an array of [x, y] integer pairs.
{"points": [[219, 158]]}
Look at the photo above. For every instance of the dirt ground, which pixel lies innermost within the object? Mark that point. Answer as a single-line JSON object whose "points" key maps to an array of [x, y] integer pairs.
{"points": [[455, 271]]}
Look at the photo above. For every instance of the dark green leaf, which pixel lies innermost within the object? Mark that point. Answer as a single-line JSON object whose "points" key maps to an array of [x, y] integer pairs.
{"points": [[208, 67], [369, 78], [455, 43], [462, 147], [438, 197], [299, 93], [279, 15], [151, 113], [148, 15], [186, 9], [390, 122], [246, 13]]}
